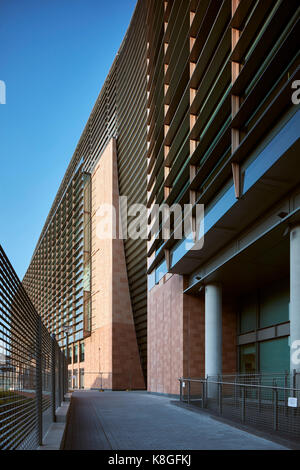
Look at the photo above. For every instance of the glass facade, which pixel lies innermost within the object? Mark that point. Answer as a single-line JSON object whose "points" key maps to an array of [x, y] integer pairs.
{"points": [[75, 378], [260, 312], [70, 355], [87, 258], [58, 278], [75, 359], [274, 305], [248, 315], [69, 379], [248, 359], [274, 355], [265, 307], [81, 352]]}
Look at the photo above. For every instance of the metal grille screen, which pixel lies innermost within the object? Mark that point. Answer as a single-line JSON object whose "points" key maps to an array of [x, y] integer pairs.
{"points": [[31, 366]]}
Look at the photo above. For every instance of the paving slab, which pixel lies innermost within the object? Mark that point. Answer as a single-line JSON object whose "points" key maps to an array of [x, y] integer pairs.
{"points": [[141, 421], [54, 438]]}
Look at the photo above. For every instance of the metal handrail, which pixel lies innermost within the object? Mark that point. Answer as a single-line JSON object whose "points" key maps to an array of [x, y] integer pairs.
{"points": [[182, 379], [266, 407], [254, 374]]}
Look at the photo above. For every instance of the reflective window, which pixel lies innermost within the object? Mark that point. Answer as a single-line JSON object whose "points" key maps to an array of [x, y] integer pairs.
{"points": [[274, 355], [70, 355], [248, 359], [274, 305], [75, 378], [248, 314], [273, 151], [81, 352], [81, 378], [161, 271], [76, 353]]}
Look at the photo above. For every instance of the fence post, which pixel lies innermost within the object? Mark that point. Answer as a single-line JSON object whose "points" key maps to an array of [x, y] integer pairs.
{"points": [[53, 384], [220, 397], [63, 375], [285, 394], [59, 377], [294, 390], [203, 394], [62, 371], [294, 382], [259, 394], [39, 397], [243, 404], [275, 392], [180, 390], [189, 392], [66, 377], [235, 391]]}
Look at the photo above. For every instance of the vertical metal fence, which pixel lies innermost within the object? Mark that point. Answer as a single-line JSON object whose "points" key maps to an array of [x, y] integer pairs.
{"points": [[32, 367], [261, 401]]}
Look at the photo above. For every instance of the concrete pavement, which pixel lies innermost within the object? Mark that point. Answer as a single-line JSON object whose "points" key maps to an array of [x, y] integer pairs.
{"points": [[141, 421]]}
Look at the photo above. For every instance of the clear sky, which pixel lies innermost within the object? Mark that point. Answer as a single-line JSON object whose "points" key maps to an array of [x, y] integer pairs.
{"points": [[55, 56]]}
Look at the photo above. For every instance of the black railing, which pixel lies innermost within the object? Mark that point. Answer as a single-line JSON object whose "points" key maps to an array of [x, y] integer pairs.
{"points": [[267, 407], [32, 367]]}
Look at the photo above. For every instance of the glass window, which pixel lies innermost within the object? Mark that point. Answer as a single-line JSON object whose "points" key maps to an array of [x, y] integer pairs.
{"points": [[81, 378], [274, 305], [219, 208], [70, 355], [178, 251], [81, 352], [272, 152], [76, 353], [151, 280], [274, 355], [248, 315], [69, 379], [248, 359], [161, 271], [75, 378]]}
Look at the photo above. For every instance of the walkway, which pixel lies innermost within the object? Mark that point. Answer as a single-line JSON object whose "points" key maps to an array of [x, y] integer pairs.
{"points": [[140, 421]]}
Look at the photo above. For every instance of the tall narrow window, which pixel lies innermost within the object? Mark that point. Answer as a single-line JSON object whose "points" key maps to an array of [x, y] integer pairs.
{"points": [[248, 359], [70, 355], [76, 353], [81, 352], [81, 378]]}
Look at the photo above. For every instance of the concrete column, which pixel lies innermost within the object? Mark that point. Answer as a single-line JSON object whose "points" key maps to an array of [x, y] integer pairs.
{"points": [[213, 329], [295, 299]]}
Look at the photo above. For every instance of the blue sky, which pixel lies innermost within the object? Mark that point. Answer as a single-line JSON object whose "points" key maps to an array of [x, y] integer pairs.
{"points": [[55, 55]]}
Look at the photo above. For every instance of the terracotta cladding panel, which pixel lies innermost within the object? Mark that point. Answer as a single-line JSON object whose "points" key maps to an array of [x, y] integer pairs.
{"points": [[176, 336], [194, 343], [111, 305], [98, 357], [101, 248], [132, 148], [127, 372], [165, 336]]}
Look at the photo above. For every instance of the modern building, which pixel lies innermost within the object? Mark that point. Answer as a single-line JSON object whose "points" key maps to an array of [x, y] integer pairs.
{"points": [[200, 109], [223, 131], [96, 288]]}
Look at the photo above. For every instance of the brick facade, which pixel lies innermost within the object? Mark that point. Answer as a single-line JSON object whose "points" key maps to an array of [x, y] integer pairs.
{"points": [[112, 321], [176, 335]]}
